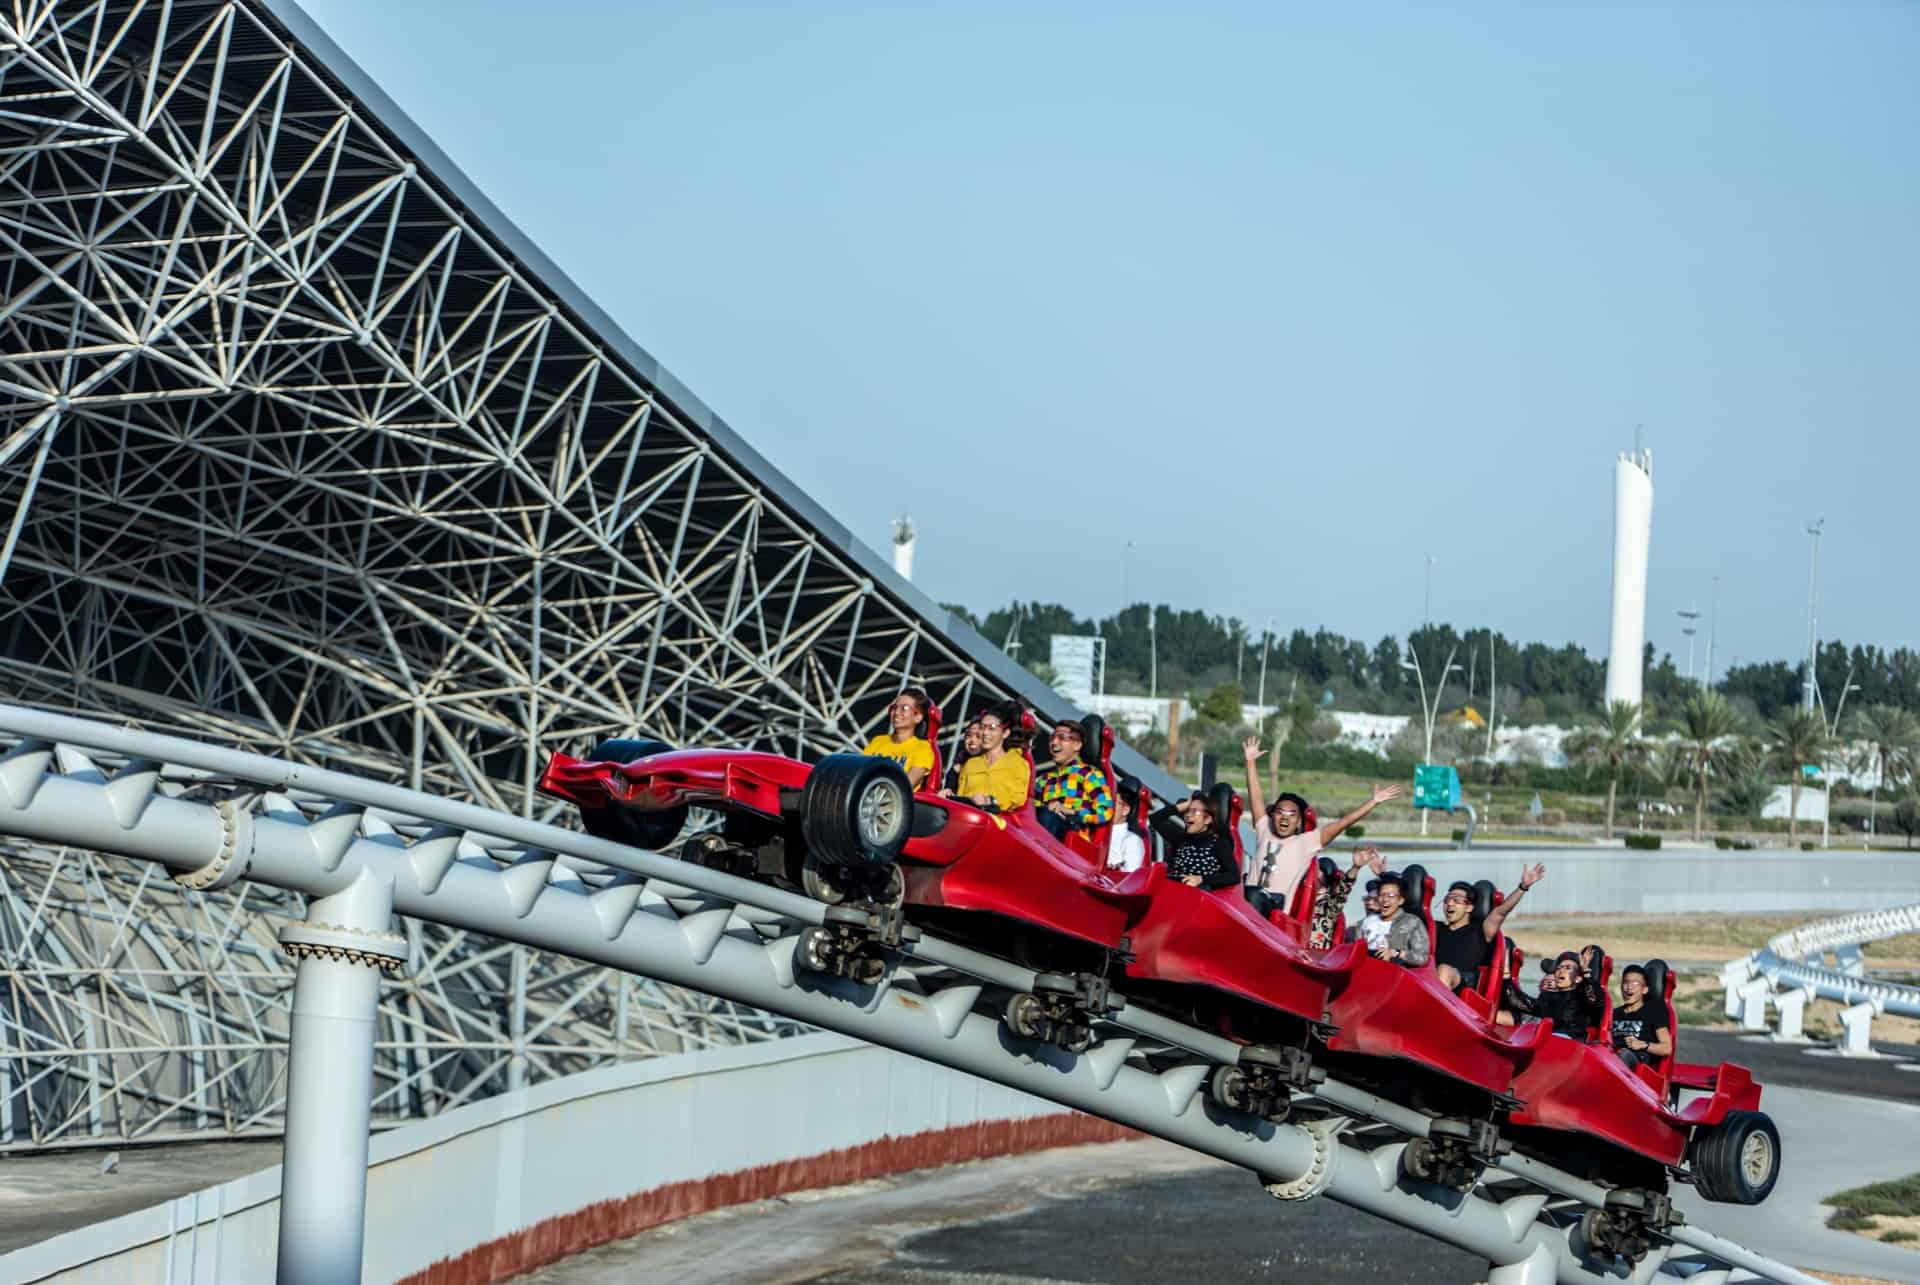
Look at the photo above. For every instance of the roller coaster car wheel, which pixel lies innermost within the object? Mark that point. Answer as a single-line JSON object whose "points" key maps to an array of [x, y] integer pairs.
{"points": [[1737, 1161], [856, 811], [813, 951], [1419, 1161], [631, 826], [1229, 1087], [1027, 1017], [833, 885], [1608, 1233]]}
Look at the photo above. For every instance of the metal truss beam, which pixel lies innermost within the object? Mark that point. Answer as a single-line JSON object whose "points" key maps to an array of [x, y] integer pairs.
{"points": [[305, 449]]}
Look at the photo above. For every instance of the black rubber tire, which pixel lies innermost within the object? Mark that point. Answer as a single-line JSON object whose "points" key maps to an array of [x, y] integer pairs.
{"points": [[856, 811], [634, 827], [1418, 1160], [1737, 1161]]}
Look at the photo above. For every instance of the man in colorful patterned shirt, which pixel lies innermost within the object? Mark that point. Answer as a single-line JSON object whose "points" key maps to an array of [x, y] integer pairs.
{"points": [[1071, 794]]}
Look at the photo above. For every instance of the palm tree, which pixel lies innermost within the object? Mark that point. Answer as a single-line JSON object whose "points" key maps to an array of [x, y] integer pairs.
{"points": [[1709, 720], [1799, 736], [1892, 746], [1614, 740]]}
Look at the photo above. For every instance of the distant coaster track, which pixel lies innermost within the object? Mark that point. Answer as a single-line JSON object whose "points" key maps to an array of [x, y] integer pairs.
{"points": [[213, 817], [1796, 959]]}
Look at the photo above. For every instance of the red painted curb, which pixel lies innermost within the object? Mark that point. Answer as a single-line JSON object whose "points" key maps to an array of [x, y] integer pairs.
{"points": [[610, 1220]]}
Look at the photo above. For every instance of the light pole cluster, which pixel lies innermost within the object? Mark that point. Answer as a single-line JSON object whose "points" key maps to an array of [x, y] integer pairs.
{"points": [[1429, 711]]}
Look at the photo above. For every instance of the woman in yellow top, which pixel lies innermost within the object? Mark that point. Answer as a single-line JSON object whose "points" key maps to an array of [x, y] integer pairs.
{"points": [[996, 777], [904, 744]]}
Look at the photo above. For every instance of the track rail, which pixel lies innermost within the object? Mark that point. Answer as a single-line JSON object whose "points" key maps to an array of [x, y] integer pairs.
{"points": [[1786, 959], [213, 816]]}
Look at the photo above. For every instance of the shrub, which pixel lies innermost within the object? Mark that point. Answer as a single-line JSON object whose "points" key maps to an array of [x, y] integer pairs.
{"points": [[1722, 842], [1806, 845], [1553, 816], [1644, 842], [1743, 845], [1850, 1220], [1356, 832], [1899, 1234], [1459, 836]]}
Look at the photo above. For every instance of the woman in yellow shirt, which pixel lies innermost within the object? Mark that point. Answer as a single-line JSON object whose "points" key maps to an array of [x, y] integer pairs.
{"points": [[904, 744], [997, 777]]}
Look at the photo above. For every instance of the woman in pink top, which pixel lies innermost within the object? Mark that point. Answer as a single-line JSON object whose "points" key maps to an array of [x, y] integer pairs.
{"points": [[1283, 844]]}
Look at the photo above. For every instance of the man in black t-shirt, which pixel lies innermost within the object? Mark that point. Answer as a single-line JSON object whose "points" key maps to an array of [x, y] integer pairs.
{"points": [[1462, 945], [1640, 1034]]}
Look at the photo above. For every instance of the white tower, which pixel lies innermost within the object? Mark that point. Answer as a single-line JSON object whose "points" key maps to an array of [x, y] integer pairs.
{"points": [[1632, 529], [903, 540]]}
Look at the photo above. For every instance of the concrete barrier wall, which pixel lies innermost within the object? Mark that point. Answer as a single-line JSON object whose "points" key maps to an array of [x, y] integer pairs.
{"points": [[499, 1187], [1686, 880]]}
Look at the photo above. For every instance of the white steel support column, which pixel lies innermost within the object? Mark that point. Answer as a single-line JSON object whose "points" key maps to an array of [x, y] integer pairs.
{"points": [[343, 948]]}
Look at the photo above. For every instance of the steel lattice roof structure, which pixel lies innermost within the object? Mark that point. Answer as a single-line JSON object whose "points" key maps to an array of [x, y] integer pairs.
{"points": [[305, 450]]}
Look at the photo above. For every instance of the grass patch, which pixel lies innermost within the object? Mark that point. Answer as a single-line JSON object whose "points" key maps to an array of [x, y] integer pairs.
{"points": [[1850, 1220], [1897, 1199], [1899, 1234]]}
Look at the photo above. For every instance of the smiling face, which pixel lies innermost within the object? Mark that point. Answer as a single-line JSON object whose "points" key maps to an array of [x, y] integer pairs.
{"points": [[1285, 818], [904, 715], [1391, 900], [1064, 744], [970, 739], [993, 733], [1634, 987], [1456, 907]]}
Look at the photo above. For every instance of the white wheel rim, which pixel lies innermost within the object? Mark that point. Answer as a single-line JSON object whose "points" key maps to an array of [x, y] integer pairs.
{"points": [[880, 813], [1756, 1157]]}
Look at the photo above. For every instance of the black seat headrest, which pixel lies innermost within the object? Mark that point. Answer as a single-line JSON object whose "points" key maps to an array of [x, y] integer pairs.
{"points": [[1220, 803], [1483, 891], [1414, 880], [1659, 980], [1095, 740], [1329, 871]]}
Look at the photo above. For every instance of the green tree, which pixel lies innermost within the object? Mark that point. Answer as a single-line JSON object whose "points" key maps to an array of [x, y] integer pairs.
{"points": [[1223, 703], [1709, 722], [1799, 736], [1615, 741], [1746, 777], [1906, 814], [1892, 737]]}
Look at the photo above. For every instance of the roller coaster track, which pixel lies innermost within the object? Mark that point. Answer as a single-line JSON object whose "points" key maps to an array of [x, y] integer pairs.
{"points": [[1796, 959], [213, 817]]}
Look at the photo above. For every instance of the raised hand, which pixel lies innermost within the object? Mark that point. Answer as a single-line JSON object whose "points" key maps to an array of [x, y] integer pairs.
{"points": [[1252, 746], [1531, 875], [1376, 862], [1369, 856], [1381, 793]]}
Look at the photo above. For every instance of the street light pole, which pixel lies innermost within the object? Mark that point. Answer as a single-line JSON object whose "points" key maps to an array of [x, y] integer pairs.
{"points": [[1811, 686], [1429, 712], [1153, 651], [1826, 762], [1713, 625], [1266, 645], [1426, 615], [1691, 615]]}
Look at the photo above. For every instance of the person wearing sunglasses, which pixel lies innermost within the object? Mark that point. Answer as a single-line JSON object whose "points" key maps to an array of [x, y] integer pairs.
{"points": [[1463, 944]]}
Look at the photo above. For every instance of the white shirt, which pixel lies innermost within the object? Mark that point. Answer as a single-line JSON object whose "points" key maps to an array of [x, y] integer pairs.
{"points": [[1126, 851], [1375, 930]]}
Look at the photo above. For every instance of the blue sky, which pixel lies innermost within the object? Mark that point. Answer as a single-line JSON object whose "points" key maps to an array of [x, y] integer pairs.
{"points": [[1290, 296]]}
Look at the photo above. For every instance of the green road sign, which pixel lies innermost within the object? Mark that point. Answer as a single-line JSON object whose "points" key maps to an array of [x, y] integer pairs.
{"points": [[1436, 787], [1809, 769]]}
